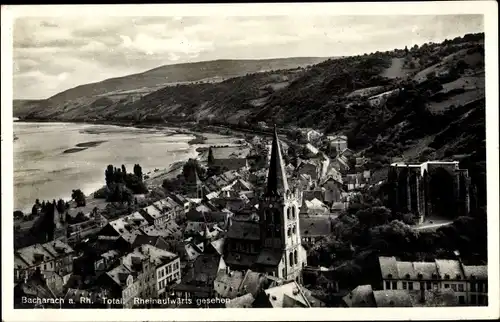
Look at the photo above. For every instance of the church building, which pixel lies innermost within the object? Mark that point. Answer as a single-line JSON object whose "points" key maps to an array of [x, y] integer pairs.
{"points": [[268, 241]]}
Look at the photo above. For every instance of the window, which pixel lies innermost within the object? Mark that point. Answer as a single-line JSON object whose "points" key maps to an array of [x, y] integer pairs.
{"points": [[460, 287], [435, 286], [429, 285], [472, 287], [473, 299], [289, 232], [296, 260], [283, 272], [446, 285], [169, 269], [290, 258], [394, 285], [454, 287], [461, 300], [410, 286], [405, 285], [387, 285], [288, 213], [480, 287]]}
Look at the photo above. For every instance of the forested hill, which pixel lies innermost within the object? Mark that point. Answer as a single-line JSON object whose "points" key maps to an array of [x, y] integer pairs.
{"points": [[432, 105], [134, 86]]}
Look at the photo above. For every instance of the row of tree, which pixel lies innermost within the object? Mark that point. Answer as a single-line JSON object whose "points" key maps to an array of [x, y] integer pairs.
{"points": [[121, 186]]}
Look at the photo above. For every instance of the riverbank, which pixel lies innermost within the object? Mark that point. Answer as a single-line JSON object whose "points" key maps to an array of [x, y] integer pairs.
{"points": [[187, 127], [168, 162]]}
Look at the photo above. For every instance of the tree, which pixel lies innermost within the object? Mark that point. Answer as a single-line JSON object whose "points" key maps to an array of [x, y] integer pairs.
{"points": [[109, 175], [135, 185], [79, 197], [34, 210], [138, 171], [120, 193], [124, 170], [61, 207]]}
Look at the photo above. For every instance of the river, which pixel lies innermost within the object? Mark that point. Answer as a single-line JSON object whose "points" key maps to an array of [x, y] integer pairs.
{"points": [[48, 163]]}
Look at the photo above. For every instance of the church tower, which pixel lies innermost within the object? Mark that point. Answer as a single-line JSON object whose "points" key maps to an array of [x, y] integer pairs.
{"points": [[279, 218], [194, 185]]}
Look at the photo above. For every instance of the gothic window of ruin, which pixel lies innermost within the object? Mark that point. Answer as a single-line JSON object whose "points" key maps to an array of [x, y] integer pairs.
{"points": [[289, 232], [413, 192], [294, 229], [268, 216], [293, 212], [277, 217], [403, 190], [295, 256], [290, 258], [288, 213], [442, 193]]}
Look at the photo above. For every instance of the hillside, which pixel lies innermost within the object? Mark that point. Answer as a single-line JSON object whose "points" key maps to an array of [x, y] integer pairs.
{"points": [[426, 101], [134, 86]]}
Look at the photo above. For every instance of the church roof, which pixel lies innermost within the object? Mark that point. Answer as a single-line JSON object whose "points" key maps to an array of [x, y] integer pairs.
{"points": [[269, 257], [244, 230], [276, 180]]}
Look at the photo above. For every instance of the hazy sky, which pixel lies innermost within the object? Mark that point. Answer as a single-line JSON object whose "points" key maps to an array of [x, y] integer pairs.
{"points": [[54, 54]]}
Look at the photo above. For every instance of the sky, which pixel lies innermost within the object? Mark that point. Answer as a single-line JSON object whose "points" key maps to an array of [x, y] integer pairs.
{"points": [[51, 54]]}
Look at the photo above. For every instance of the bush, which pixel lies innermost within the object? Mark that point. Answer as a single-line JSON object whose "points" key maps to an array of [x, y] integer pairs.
{"points": [[101, 193]]}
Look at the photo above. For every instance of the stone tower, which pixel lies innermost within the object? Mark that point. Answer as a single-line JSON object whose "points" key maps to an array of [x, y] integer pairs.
{"points": [[194, 184], [279, 218]]}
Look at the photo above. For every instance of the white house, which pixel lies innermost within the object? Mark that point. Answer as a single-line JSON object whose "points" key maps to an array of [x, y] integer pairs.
{"points": [[313, 136], [440, 274]]}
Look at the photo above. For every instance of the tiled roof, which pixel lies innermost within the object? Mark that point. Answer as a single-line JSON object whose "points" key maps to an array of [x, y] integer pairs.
{"points": [[477, 272], [205, 268], [128, 223], [218, 245], [242, 259], [119, 274], [34, 255], [227, 284], [450, 269], [361, 296], [315, 204], [269, 257], [252, 282], [152, 211], [407, 270], [388, 267], [129, 237], [315, 225], [244, 230], [426, 269], [244, 301], [287, 295]]}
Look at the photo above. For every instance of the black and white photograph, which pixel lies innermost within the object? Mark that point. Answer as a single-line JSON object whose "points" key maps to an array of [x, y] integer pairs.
{"points": [[249, 159]]}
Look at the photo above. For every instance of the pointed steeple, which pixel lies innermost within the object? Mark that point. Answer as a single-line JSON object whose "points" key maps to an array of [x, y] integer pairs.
{"points": [[276, 178]]}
